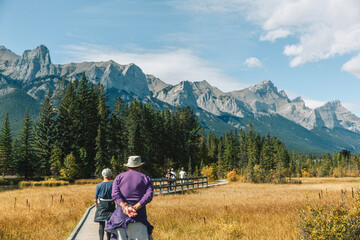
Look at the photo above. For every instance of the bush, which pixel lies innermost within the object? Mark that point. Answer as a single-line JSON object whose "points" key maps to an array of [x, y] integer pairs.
{"points": [[24, 184], [209, 172], [50, 183], [232, 176], [340, 221], [88, 181]]}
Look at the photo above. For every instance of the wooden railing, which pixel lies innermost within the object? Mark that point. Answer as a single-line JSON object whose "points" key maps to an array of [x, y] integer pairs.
{"points": [[165, 185]]}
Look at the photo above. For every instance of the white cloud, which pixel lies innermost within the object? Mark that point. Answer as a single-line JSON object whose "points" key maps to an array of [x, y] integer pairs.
{"points": [[276, 34], [170, 65], [352, 66], [252, 62], [324, 28]]}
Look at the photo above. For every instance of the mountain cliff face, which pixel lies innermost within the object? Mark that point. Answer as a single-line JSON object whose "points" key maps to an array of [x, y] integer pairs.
{"points": [[34, 74]]}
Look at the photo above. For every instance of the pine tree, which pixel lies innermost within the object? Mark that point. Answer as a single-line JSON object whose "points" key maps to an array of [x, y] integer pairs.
{"points": [[190, 168], [86, 123], [15, 156], [45, 134], [117, 135], [134, 128], [65, 122], [56, 159], [71, 166], [267, 155], [27, 164], [5, 146], [102, 159]]}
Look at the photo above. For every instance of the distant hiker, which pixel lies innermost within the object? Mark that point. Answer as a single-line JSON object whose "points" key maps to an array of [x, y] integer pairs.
{"points": [[182, 174], [173, 174], [132, 190], [104, 203], [168, 174]]}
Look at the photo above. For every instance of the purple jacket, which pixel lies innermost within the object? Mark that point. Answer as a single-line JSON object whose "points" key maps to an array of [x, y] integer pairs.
{"points": [[131, 187]]}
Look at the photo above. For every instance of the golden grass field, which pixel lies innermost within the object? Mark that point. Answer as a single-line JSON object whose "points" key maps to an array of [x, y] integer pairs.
{"points": [[234, 211]]}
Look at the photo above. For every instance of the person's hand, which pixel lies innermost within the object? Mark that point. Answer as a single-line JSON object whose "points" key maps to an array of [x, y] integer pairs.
{"points": [[129, 211], [137, 206]]}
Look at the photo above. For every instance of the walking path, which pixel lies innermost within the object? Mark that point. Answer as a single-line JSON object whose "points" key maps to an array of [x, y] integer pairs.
{"points": [[87, 229]]}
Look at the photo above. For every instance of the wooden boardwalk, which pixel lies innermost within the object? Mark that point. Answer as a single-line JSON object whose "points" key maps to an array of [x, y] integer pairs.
{"points": [[87, 229]]}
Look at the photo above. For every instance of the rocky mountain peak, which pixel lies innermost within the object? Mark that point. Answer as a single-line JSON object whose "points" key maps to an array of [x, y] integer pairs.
{"points": [[264, 87], [7, 57], [298, 99], [333, 104], [40, 54], [132, 70], [32, 64]]}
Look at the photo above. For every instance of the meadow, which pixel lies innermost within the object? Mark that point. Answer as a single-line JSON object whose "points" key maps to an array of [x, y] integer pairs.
{"points": [[234, 211]]}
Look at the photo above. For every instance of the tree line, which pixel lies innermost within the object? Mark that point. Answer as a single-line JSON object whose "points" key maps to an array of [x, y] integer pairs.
{"points": [[77, 134]]}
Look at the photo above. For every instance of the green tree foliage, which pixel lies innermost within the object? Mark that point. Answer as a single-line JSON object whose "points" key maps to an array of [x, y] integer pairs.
{"points": [[45, 135], [102, 159], [340, 221], [5, 147], [76, 122], [27, 163], [56, 159], [71, 166]]}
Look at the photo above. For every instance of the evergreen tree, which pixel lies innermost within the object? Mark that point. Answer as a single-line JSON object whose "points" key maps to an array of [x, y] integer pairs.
{"points": [[102, 159], [190, 168], [242, 153], [117, 135], [86, 123], [71, 166], [45, 135], [56, 159], [267, 160], [27, 164], [65, 122], [5, 146], [15, 156]]}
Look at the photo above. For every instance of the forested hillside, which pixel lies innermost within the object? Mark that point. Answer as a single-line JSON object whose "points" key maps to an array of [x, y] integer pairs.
{"points": [[76, 135]]}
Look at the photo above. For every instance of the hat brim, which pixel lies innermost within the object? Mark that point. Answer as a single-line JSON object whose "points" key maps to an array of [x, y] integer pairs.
{"points": [[134, 165]]}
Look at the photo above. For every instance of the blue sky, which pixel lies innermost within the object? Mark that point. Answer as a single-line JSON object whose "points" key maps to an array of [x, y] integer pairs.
{"points": [[307, 48]]}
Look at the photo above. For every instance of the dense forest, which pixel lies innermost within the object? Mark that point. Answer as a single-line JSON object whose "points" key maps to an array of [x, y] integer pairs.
{"points": [[76, 135]]}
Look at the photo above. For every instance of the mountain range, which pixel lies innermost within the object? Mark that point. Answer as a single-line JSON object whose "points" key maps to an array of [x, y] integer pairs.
{"points": [[24, 81]]}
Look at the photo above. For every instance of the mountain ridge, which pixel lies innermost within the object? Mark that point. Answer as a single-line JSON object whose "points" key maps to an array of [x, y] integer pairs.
{"points": [[34, 74]]}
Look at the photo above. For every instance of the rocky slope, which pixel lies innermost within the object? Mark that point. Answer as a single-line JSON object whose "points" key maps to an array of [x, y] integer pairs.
{"points": [[33, 73]]}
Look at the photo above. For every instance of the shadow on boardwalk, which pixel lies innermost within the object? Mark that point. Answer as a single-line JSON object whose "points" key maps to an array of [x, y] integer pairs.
{"points": [[87, 229]]}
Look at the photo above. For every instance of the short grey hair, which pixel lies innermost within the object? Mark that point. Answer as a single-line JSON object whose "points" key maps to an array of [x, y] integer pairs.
{"points": [[106, 173]]}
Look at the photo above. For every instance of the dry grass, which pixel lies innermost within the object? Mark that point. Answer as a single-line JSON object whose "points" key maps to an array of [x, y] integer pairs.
{"points": [[45, 216], [242, 210], [234, 211]]}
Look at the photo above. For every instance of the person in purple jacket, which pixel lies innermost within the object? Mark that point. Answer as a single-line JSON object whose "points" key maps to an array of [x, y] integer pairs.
{"points": [[131, 190]]}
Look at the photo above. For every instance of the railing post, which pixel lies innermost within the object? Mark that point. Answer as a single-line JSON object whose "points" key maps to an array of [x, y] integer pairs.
{"points": [[168, 186]]}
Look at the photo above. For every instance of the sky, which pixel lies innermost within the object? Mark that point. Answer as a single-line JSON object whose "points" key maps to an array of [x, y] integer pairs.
{"points": [[307, 48]]}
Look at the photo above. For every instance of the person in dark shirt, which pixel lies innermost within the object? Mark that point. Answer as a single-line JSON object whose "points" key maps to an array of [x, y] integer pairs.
{"points": [[104, 203]]}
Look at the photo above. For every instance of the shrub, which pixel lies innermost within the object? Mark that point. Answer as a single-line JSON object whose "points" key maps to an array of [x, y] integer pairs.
{"points": [[340, 221], [24, 184], [209, 172], [88, 181], [232, 176], [50, 183]]}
